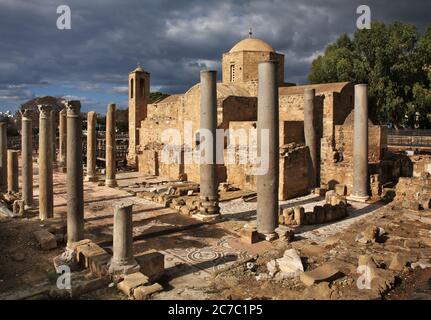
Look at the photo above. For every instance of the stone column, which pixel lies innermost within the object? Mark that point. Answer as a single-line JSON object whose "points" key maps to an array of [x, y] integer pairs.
{"points": [[53, 135], [3, 154], [268, 126], [360, 145], [46, 197], [122, 261], [111, 166], [75, 193], [62, 138], [310, 134], [208, 197], [91, 147], [27, 158], [12, 171]]}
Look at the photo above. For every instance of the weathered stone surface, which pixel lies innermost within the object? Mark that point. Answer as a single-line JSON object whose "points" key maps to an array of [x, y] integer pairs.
{"points": [[327, 273], [46, 239], [299, 214], [18, 207], [285, 233], [144, 292], [398, 262], [341, 189], [152, 264], [132, 281], [290, 263], [249, 235]]}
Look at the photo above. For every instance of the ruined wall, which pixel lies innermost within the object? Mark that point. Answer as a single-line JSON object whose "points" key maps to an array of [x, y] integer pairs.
{"points": [[294, 161], [339, 168], [421, 164]]}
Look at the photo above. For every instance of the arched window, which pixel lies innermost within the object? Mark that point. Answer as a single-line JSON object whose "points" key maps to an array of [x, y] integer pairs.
{"points": [[131, 88]]}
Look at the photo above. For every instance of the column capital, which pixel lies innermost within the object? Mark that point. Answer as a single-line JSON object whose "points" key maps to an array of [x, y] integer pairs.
{"points": [[25, 114], [112, 107], [44, 110], [73, 108]]}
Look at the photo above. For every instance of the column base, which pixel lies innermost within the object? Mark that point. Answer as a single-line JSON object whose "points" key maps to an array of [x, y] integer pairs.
{"points": [[268, 236], [91, 178], [206, 217], [358, 198], [112, 183], [116, 268]]}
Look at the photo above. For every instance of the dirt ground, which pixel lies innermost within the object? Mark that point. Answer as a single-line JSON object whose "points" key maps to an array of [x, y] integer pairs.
{"points": [[208, 260]]}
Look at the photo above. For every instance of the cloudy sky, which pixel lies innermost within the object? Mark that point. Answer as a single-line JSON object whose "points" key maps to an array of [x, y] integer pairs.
{"points": [[172, 40]]}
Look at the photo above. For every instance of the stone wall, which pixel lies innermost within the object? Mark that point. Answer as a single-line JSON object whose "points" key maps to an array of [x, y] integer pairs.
{"points": [[338, 168]]}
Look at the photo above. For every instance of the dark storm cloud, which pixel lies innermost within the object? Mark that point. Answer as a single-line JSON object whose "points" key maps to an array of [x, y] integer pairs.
{"points": [[171, 39]]}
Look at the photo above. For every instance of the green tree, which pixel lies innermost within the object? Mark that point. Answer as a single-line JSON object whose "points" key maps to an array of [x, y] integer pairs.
{"points": [[393, 60]]}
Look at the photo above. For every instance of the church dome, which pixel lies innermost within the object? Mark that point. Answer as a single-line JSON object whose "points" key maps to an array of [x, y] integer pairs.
{"points": [[252, 44]]}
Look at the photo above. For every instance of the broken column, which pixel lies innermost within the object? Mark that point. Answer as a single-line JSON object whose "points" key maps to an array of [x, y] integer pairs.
{"points": [[122, 261], [12, 171], [268, 134], [91, 147], [360, 145], [310, 134], [75, 193], [27, 159], [208, 197], [3, 154], [111, 166], [62, 138], [46, 198]]}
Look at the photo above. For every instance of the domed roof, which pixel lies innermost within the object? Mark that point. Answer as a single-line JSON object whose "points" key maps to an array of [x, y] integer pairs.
{"points": [[252, 44]]}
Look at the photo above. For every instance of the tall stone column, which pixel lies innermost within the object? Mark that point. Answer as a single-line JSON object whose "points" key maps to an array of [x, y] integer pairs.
{"points": [[122, 261], [53, 135], [91, 147], [3, 154], [27, 158], [111, 166], [268, 125], [46, 197], [12, 171], [310, 134], [360, 145], [75, 193], [62, 138], [208, 197]]}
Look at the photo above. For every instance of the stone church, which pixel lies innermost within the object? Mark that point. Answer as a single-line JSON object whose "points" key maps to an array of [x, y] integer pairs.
{"points": [[237, 109]]}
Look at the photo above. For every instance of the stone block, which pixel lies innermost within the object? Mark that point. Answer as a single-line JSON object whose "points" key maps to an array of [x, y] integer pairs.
{"points": [[299, 214], [320, 191], [88, 252], [328, 213], [18, 207], [285, 233], [341, 189], [46, 239], [131, 282], [319, 214], [152, 264], [289, 216], [325, 273], [248, 235], [144, 292]]}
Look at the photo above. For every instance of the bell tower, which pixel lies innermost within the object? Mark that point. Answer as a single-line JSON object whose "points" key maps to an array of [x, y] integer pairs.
{"points": [[139, 93]]}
